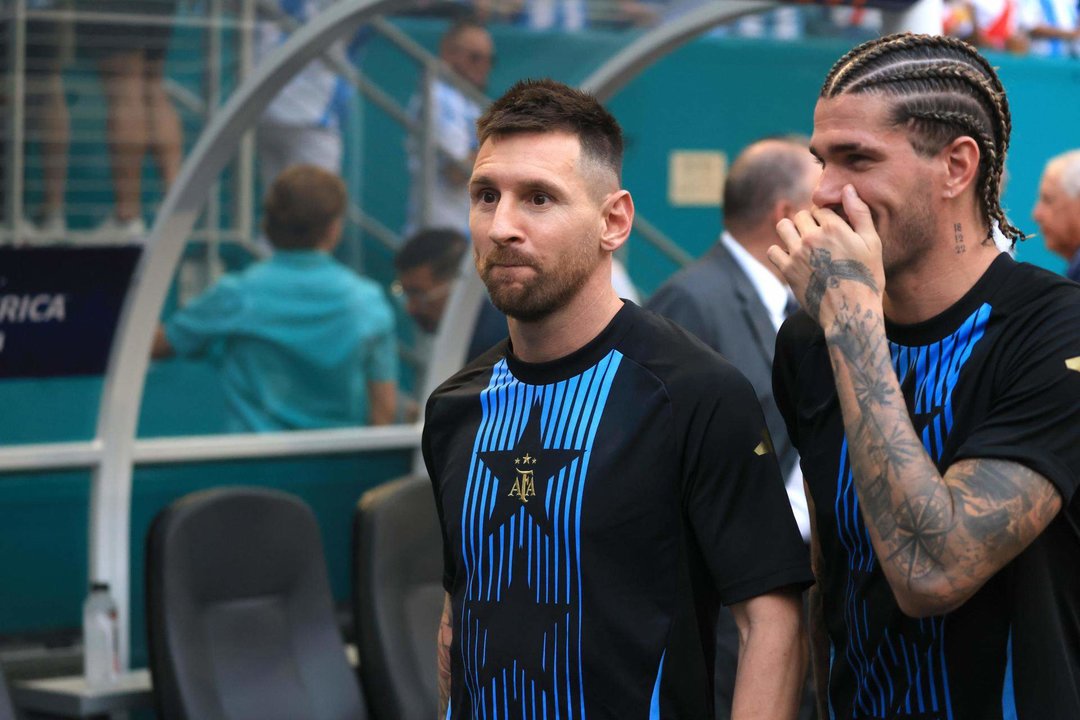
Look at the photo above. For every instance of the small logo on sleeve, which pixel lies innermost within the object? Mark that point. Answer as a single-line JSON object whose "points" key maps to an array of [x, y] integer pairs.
{"points": [[1073, 363]]}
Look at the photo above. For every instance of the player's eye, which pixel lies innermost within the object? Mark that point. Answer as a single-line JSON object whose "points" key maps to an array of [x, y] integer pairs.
{"points": [[540, 199]]}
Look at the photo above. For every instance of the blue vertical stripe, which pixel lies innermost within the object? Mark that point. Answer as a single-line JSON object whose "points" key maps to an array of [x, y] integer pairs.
{"points": [[1008, 691], [502, 541], [570, 412], [506, 704], [832, 660], [945, 672]]}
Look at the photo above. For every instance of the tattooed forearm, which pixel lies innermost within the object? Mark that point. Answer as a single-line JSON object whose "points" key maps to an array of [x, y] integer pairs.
{"points": [[912, 527], [827, 273], [1002, 505], [937, 538]]}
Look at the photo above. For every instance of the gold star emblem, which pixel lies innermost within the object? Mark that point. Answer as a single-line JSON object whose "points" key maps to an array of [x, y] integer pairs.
{"points": [[1073, 363]]}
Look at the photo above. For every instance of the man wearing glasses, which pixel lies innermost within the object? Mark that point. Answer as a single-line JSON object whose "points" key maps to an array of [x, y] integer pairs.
{"points": [[427, 265], [468, 50]]}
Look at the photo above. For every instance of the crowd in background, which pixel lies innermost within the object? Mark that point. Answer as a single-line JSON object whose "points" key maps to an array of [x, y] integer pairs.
{"points": [[304, 125], [1039, 27]]}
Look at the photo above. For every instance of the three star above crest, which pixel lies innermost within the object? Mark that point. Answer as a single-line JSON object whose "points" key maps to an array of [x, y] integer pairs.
{"points": [[523, 474]]}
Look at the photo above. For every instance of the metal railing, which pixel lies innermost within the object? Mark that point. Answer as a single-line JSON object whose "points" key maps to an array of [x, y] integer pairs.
{"points": [[204, 60]]}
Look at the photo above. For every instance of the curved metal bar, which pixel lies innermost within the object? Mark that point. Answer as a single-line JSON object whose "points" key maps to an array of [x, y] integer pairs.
{"points": [[628, 63], [205, 448], [110, 498], [296, 443], [50, 456]]}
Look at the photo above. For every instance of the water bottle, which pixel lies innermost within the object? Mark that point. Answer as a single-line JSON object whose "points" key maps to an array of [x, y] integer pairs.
{"points": [[101, 638]]}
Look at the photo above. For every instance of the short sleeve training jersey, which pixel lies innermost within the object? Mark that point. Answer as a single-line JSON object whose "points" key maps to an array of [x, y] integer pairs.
{"points": [[595, 511], [997, 375]]}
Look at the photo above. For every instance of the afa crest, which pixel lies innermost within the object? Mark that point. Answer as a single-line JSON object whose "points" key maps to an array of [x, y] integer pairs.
{"points": [[524, 484]]}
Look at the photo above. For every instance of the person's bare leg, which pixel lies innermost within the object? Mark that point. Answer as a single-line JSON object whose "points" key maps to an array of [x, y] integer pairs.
{"points": [[126, 131], [55, 142], [166, 134]]}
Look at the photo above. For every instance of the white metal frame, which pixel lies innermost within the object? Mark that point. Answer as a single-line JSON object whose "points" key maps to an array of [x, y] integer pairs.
{"points": [[114, 450]]}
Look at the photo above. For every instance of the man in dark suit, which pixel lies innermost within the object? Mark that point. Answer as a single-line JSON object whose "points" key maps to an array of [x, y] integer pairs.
{"points": [[734, 300]]}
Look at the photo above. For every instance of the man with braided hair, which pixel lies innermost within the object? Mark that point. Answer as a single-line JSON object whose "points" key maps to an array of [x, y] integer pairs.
{"points": [[932, 387]]}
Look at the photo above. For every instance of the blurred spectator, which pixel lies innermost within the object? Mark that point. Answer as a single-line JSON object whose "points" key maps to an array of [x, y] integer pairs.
{"points": [[427, 265], [49, 45], [130, 52], [1057, 211], [571, 15], [554, 14], [468, 49], [303, 341], [991, 24], [856, 23], [303, 123], [782, 23], [1052, 27]]}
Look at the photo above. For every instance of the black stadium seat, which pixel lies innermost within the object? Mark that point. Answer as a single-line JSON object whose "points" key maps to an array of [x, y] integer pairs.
{"points": [[398, 598], [239, 612]]}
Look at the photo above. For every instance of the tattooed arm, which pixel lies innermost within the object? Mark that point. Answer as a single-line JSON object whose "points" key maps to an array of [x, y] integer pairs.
{"points": [[446, 636], [937, 537]]}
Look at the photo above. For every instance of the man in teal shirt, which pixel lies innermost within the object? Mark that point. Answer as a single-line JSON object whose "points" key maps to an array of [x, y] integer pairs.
{"points": [[304, 341]]}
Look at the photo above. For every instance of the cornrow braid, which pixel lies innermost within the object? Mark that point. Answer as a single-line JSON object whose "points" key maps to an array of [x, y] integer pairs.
{"points": [[942, 89]]}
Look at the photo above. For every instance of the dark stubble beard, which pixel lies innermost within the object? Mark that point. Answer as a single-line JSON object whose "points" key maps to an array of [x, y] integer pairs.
{"points": [[546, 292], [911, 236]]}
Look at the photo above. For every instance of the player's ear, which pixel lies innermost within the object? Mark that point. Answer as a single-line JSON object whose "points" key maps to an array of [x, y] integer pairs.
{"points": [[960, 160], [618, 219]]}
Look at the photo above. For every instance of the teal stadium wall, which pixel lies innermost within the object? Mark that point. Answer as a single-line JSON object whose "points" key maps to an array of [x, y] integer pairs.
{"points": [[712, 95]]}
